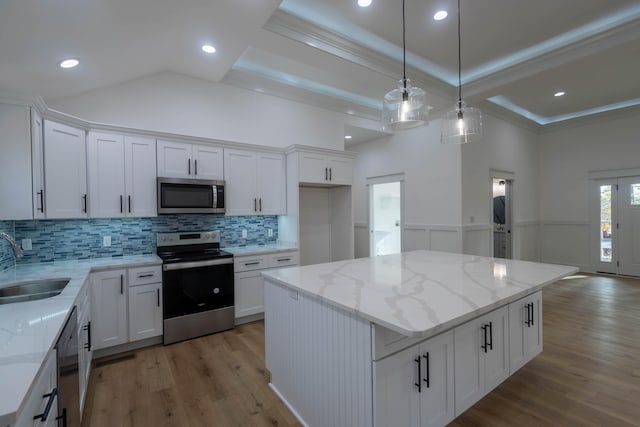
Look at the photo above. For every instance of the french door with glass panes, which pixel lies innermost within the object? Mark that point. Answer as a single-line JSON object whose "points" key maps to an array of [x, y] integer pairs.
{"points": [[618, 226]]}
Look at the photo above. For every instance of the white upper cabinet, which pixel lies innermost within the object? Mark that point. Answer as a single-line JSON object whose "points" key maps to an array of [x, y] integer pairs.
{"points": [[15, 162], [320, 168], [37, 164], [65, 171], [122, 175], [195, 161], [254, 182]]}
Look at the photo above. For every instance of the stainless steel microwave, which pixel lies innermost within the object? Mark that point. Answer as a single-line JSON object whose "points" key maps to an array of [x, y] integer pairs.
{"points": [[179, 195]]}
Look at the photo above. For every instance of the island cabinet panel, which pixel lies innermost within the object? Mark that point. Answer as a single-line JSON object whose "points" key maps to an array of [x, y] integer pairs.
{"points": [[415, 386], [481, 357], [525, 330], [319, 357]]}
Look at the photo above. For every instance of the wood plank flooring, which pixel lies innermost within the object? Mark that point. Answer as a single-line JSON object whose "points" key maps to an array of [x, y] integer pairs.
{"points": [[587, 375]]}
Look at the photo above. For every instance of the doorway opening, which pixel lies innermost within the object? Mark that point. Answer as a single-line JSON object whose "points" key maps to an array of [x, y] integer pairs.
{"points": [[501, 207], [385, 218]]}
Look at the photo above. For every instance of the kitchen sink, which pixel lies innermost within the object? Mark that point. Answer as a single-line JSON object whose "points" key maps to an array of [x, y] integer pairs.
{"points": [[31, 290]]}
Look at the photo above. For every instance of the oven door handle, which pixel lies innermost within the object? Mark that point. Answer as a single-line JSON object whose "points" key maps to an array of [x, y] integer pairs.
{"points": [[195, 264]]}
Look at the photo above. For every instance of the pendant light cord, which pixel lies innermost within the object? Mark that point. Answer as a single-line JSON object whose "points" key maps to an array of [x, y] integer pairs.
{"points": [[459, 62], [404, 50]]}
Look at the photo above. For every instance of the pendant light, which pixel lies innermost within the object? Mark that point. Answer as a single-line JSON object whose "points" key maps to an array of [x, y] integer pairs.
{"points": [[462, 124], [405, 107]]}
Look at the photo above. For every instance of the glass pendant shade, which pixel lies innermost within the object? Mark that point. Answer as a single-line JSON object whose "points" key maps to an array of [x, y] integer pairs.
{"points": [[461, 125], [405, 107]]}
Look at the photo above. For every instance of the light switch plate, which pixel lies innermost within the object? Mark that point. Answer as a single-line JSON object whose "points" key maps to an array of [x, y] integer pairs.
{"points": [[26, 244], [106, 241], [244, 234], [270, 232]]}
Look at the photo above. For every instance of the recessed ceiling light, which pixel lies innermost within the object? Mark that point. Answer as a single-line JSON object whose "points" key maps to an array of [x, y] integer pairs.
{"points": [[440, 15], [557, 94], [364, 3], [208, 48], [69, 63], [348, 137]]}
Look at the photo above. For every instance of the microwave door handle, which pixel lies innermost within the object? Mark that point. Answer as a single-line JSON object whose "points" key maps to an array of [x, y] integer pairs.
{"points": [[214, 189]]}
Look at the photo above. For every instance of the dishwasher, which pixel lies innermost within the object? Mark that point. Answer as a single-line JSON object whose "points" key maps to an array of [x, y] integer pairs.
{"points": [[68, 379]]}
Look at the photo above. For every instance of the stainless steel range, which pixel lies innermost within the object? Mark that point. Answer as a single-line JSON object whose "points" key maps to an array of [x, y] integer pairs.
{"points": [[197, 285]]}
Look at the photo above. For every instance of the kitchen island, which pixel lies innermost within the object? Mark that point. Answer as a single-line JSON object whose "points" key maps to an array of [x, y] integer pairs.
{"points": [[400, 340]]}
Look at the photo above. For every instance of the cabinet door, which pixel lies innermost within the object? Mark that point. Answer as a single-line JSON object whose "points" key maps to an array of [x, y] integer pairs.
{"points": [[313, 168], [396, 397], [140, 177], [240, 182], [36, 401], [207, 162], [15, 163], [109, 308], [519, 328], [145, 311], [174, 159], [533, 333], [271, 184], [468, 363], [437, 406], [37, 164], [85, 352], [249, 293], [105, 174], [496, 360], [340, 170], [65, 171]]}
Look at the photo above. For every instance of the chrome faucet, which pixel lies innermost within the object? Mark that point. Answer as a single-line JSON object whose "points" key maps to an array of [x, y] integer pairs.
{"points": [[17, 250]]}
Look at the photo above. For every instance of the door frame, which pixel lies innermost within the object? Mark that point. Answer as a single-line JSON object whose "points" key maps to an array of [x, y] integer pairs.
{"points": [[385, 179], [510, 178], [594, 229]]}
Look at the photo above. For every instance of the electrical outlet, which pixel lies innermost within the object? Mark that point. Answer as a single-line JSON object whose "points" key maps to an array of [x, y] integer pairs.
{"points": [[26, 244], [244, 234], [106, 241], [270, 232]]}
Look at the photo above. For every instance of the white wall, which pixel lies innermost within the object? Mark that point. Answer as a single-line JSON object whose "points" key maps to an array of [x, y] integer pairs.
{"points": [[175, 103], [567, 155], [509, 148], [432, 205]]}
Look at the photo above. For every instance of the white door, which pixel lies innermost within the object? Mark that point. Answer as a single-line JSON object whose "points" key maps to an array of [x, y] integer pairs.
{"points": [[109, 308], [105, 174], [174, 159], [604, 225], [37, 164], [496, 359], [249, 293], [340, 170], [65, 171], [468, 364], [145, 311], [140, 176], [240, 182], [437, 400], [385, 218], [629, 228], [313, 168], [207, 162], [271, 184], [501, 207], [15, 163]]}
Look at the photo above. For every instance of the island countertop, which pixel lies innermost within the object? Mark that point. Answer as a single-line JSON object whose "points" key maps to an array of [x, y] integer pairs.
{"points": [[420, 293]]}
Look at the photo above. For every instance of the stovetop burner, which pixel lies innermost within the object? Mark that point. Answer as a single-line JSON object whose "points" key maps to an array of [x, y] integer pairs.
{"points": [[191, 246]]}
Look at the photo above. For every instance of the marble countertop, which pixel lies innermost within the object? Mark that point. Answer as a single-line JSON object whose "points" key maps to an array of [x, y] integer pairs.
{"points": [[28, 330], [260, 249], [420, 293]]}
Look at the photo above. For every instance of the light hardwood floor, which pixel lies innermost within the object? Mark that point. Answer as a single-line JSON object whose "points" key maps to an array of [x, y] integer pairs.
{"points": [[587, 375]]}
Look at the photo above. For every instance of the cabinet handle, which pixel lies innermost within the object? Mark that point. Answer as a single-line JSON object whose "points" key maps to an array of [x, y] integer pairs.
{"points": [[490, 335], [330, 174], [252, 263], [188, 166], [121, 284], [528, 320], [260, 203], [484, 341], [283, 259], [255, 206], [418, 384], [41, 193], [140, 276], [195, 166], [158, 290], [129, 200], [84, 200], [427, 377], [532, 310], [87, 328], [326, 174], [121, 203], [47, 409]]}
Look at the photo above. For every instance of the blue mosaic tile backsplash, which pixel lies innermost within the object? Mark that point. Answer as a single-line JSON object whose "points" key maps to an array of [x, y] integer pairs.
{"points": [[59, 240], [6, 253]]}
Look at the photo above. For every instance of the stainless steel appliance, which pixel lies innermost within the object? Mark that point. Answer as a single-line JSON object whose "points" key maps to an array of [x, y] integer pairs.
{"points": [[179, 195], [197, 285], [68, 379]]}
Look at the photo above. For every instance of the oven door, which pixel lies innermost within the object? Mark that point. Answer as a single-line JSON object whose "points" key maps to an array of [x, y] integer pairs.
{"points": [[194, 287]]}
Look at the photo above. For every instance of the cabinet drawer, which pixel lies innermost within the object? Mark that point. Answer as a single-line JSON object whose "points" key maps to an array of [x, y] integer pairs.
{"points": [[249, 263], [282, 259], [144, 275], [36, 401]]}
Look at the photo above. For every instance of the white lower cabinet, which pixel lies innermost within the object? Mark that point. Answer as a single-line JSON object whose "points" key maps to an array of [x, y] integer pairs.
{"points": [[41, 405], [415, 387], [145, 311], [525, 330], [85, 348], [481, 357], [109, 308]]}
